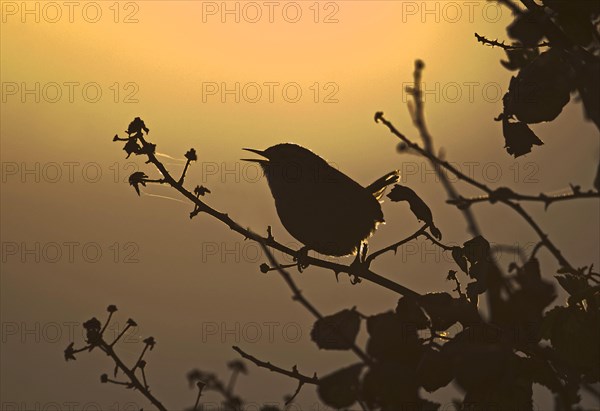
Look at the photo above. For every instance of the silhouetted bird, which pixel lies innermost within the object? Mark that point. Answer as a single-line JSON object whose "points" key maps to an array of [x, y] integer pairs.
{"points": [[320, 206]]}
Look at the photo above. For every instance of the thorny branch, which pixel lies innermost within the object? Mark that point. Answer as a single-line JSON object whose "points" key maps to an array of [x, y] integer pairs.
{"points": [[515, 206], [95, 339], [294, 373], [200, 206], [417, 112], [502, 45], [506, 193], [297, 296], [211, 382], [394, 247], [503, 195]]}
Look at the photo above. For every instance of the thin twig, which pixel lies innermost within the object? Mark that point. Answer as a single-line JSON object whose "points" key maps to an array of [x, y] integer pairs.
{"points": [[294, 373], [200, 386], [137, 384], [436, 242], [95, 338], [511, 195], [394, 247], [418, 116]]}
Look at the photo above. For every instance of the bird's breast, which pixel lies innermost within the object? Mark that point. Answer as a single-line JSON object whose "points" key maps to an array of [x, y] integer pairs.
{"points": [[331, 218]]}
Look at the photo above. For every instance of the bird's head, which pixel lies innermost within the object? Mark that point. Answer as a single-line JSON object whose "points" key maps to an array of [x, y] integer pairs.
{"points": [[285, 153], [287, 163]]}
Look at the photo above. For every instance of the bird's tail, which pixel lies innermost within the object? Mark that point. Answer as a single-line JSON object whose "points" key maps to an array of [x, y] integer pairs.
{"points": [[377, 188]]}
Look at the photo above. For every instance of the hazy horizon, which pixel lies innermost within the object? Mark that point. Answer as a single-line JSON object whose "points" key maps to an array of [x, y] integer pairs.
{"points": [[195, 286]]}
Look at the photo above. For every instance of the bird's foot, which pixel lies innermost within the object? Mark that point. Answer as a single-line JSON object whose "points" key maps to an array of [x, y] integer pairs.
{"points": [[360, 263], [302, 258], [357, 266]]}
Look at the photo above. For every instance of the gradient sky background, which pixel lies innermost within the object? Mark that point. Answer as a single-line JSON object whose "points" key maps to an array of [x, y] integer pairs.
{"points": [[185, 280]]}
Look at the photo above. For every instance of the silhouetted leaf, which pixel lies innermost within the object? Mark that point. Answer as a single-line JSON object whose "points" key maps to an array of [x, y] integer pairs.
{"points": [[201, 191], [460, 259], [521, 314], [573, 284], [541, 89], [519, 138], [136, 179], [519, 58], [136, 126], [191, 155], [476, 254], [541, 372], [148, 148], [434, 370], [575, 18], [92, 329], [438, 307], [477, 249], [575, 335], [445, 311], [337, 331], [237, 365], [132, 147], [409, 312], [526, 29], [478, 360], [150, 342], [474, 289], [70, 353], [392, 339], [391, 386], [417, 206], [209, 380], [513, 391], [340, 388], [588, 85], [426, 405]]}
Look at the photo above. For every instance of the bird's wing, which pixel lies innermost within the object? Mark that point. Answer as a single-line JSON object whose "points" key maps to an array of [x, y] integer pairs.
{"points": [[377, 188]]}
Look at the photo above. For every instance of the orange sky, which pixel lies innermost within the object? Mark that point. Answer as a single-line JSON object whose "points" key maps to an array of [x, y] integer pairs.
{"points": [[162, 64]]}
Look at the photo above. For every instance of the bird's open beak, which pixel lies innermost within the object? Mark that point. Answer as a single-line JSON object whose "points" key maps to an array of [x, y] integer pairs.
{"points": [[256, 160]]}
